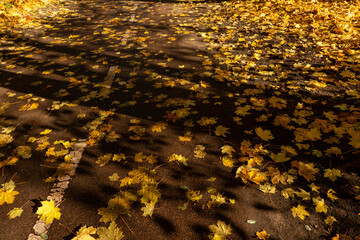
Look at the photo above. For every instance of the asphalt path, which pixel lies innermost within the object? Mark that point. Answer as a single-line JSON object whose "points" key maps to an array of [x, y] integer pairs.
{"points": [[119, 68]]}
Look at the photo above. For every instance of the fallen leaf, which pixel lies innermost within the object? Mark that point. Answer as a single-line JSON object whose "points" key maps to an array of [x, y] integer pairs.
{"points": [[48, 211]]}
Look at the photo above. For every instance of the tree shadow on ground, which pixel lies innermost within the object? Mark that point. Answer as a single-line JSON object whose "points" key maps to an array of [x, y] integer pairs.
{"points": [[69, 61]]}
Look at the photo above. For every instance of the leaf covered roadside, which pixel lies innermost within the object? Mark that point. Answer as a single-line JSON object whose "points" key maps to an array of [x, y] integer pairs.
{"points": [[294, 118], [14, 12]]}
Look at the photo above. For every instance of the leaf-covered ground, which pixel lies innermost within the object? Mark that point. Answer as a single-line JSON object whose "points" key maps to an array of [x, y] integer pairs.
{"points": [[179, 119]]}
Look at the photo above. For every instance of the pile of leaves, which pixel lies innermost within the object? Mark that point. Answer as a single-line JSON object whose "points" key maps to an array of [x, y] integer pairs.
{"points": [[335, 25], [19, 11]]}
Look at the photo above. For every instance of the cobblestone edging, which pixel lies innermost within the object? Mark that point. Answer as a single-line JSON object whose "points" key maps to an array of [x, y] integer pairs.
{"points": [[57, 192]]}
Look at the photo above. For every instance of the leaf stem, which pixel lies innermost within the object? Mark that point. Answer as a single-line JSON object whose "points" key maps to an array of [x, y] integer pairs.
{"points": [[160, 166], [24, 204], [126, 224], [160, 207], [67, 228], [267, 164], [6, 185]]}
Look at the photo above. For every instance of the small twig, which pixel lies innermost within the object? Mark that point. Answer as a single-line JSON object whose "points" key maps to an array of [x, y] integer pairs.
{"points": [[348, 190], [61, 202], [160, 207], [67, 228], [160, 166], [25, 204], [216, 162], [351, 150], [126, 224], [42, 165], [267, 164], [6, 185], [246, 185], [49, 113]]}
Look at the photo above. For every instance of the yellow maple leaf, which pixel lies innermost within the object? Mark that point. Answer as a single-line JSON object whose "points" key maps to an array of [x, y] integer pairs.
{"points": [[118, 157], [267, 188], [228, 161], [50, 152], [193, 195], [205, 121], [331, 194], [9, 161], [67, 144], [264, 134], [347, 74], [289, 150], [179, 158], [300, 212], [31, 139], [139, 157], [116, 206], [158, 127], [302, 134], [111, 233], [186, 138], [216, 200], [8, 130], [247, 173], [199, 151], [7, 196], [112, 137], [114, 177], [81, 115], [332, 174], [320, 205], [29, 106], [280, 157], [49, 180], [189, 123], [263, 235], [308, 171], [303, 194], [276, 102], [227, 149], [23, 151], [84, 233], [16, 212], [46, 131], [221, 131], [103, 160], [5, 139], [314, 188], [274, 173], [48, 211], [148, 209], [142, 174], [62, 152], [151, 159], [333, 150], [207, 62], [42, 146], [355, 142], [330, 220], [150, 193], [287, 192], [181, 112], [243, 111], [219, 231]]}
